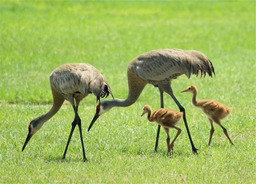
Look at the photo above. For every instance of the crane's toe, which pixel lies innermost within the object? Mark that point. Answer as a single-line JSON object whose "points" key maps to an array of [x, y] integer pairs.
{"points": [[194, 149]]}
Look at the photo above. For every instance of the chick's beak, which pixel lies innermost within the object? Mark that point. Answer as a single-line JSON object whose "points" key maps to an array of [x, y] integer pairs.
{"points": [[143, 113], [185, 90]]}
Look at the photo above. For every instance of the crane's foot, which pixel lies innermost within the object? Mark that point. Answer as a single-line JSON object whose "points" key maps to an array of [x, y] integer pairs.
{"points": [[194, 149], [84, 159], [170, 150]]}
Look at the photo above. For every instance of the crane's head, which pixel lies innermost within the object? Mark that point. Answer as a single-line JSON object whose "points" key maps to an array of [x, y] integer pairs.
{"points": [[101, 108], [192, 89], [146, 109], [32, 129]]}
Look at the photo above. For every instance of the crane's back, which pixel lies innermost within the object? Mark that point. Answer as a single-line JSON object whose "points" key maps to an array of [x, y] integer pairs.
{"points": [[214, 109], [166, 117], [77, 78], [162, 64]]}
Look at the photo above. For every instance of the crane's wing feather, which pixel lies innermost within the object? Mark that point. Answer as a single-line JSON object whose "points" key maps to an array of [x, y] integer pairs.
{"points": [[79, 78], [171, 63]]}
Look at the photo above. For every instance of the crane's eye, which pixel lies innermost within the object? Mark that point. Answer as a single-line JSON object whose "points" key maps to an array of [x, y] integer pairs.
{"points": [[30, 128]]}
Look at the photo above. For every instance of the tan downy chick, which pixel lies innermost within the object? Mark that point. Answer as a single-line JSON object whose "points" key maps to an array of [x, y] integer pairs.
{"points": [[214, 110], [167, 118]]}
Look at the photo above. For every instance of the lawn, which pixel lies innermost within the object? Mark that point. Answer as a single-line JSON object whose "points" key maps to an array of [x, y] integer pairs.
{"points": [[38, 36]]}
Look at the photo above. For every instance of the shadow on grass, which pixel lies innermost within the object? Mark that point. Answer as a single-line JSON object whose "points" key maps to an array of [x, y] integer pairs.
{"points": [[160, 153], [59, 159]]}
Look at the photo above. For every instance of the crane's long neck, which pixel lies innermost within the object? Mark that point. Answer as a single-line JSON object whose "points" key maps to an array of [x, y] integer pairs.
{"points": [[131, 99], [194, 101], [122, 102], [39, 121], [135, 85], [150, 118], [45, 117]]}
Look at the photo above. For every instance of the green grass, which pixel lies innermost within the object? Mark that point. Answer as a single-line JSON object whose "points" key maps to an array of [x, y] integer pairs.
{"points": [[38, 36]]}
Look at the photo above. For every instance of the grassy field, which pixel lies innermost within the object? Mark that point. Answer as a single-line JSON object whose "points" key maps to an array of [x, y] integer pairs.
{"points": [[37, 36]]}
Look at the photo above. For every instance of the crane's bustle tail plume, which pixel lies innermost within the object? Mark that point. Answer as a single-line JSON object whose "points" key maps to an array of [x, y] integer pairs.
{"points": [[108, 90], [105, 92], [199, 65]]}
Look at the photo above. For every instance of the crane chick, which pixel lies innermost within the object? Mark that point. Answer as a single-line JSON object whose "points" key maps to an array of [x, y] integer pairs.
{"points": [[214, 110], [167, 118]]}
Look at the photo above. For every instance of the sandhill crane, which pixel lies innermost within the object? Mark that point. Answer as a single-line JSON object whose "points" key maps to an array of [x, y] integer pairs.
{"points": [[72, 82], [214, 110], [166, 118], [159, 67]]}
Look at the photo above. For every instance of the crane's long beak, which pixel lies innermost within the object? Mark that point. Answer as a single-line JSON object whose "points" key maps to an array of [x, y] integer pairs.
{"points": [[26, 141], [143, 113], [30, 134], [93, 120]]}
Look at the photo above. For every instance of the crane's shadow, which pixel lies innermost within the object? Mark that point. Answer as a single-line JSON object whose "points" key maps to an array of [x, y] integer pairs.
{"points": [[139, 152], [161, 152], [59, 159]]}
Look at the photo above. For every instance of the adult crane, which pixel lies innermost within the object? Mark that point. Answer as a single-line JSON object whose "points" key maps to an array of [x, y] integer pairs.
{"points": [[159, 67], [72, 82]]}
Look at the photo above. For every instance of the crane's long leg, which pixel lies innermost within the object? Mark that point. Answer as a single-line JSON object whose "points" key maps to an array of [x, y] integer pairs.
{"points": [[211, 132], [225, 132], [77, 121], [167, 89], [73, 125], [81, 138], [168, 141], [159, 127], [176, 136], [182, 109]]}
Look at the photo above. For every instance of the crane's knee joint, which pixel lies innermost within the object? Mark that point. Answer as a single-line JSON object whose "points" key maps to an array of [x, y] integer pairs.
{"points": [[182, 109]]}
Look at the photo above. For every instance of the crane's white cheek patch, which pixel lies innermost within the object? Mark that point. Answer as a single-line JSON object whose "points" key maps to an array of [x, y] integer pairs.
{"points": [[102, 111]]}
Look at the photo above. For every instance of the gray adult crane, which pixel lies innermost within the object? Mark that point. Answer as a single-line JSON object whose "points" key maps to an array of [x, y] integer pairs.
{"points": [[72, 82], [159, 67]]}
